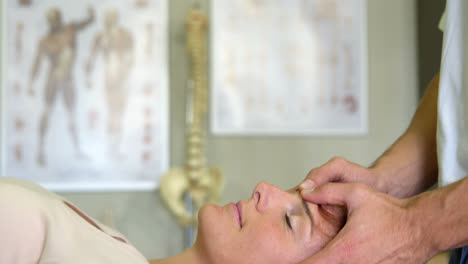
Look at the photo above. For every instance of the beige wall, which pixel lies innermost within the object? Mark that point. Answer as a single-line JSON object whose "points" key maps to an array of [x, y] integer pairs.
{"points": [[283, 161]]}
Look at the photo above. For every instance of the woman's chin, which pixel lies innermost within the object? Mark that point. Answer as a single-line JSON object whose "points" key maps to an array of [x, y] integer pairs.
{"points": [[207, 214]]}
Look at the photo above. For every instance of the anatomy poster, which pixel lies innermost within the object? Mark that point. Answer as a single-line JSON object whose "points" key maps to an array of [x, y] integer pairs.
{"points": [[84, 94], [288, 67]]}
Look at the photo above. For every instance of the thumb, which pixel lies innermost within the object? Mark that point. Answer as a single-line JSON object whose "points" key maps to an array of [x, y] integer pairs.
{"points": [[332, 171], [343, 194]]}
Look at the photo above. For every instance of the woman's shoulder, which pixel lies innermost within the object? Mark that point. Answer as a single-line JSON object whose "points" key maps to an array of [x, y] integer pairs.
{"points": [[22, 189], [22, 219], [22, 198], [7, 182]]}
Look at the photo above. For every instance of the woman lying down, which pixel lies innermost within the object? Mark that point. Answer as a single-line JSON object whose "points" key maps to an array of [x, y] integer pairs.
{"points": [[273, 226]]}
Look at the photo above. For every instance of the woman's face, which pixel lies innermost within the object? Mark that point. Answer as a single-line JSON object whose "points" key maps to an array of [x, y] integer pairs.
{"points": [[273, 226]]}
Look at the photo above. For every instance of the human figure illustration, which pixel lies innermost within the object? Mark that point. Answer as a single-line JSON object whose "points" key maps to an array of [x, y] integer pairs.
{"points": [[116, 45], [59, 48]]}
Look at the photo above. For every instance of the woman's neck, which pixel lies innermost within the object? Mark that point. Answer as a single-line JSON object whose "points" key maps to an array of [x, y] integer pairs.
{"points": [[190, 255]]}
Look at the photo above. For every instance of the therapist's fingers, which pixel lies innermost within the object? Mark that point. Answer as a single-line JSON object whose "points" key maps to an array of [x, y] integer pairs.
{"points": [[363, 239], [332, 171], [344, 194], [339, 170]]}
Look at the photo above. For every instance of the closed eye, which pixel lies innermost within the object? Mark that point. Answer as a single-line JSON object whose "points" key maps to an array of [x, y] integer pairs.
{"points": [[288, 221], [286, 216]]}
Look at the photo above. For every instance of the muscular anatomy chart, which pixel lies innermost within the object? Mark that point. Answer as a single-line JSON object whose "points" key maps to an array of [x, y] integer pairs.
{"points": [[116, 45], [288, 67], [58, 46], [76, 93]]}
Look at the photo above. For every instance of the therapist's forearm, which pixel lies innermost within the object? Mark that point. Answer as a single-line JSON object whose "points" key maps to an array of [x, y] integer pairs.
{"points": [[409, 166], [442, 216]]}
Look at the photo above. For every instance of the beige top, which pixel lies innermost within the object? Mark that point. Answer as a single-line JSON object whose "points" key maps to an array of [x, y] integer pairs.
{"points": [[37, 226]]}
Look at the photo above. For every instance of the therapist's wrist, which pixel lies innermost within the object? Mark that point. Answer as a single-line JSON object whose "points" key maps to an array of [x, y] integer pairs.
{"points": [[390, 179], [380, 180], [424, 223]]}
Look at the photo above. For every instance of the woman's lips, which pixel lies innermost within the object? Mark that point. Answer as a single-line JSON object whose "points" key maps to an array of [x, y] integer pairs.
{"points": [[238, 213]]}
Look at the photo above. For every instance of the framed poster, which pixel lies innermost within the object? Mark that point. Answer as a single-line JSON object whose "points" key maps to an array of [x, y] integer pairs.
{"points": [[289, 67], [85, 93]]}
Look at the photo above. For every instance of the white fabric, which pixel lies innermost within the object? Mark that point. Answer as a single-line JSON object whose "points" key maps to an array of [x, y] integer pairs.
{"points": [[452, 131], [36, 226]]}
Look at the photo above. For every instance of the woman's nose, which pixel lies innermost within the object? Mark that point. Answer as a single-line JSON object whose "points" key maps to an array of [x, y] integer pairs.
{"points": [[264, 195]]}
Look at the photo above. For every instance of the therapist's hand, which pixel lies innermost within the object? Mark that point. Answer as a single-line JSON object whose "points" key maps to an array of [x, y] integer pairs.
{"points": [[380, 228], [341, 170]]}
